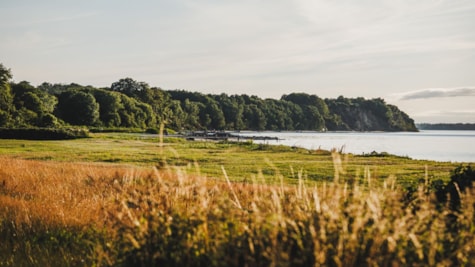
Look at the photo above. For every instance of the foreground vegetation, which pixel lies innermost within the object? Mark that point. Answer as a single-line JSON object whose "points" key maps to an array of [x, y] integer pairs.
{"points": [[59, 214], [126, 200]]}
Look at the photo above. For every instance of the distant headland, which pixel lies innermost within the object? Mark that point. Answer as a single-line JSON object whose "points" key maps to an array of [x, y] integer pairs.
{"points": [[446, 126]]}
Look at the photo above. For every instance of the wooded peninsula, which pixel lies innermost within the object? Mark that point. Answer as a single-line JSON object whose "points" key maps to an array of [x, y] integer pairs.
{"points": [[131, 104]]}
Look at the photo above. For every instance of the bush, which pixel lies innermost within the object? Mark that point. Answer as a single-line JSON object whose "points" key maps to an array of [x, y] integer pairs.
{"points": [[166, 131], [152, 131], [115, 130], [43, 133], [462, 178]]}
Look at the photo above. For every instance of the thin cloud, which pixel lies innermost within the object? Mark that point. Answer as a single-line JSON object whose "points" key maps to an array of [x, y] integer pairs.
{"points": [[437, 93], [446, 116], [40, 20], [455, 113], [67, 18], [303, 37]]}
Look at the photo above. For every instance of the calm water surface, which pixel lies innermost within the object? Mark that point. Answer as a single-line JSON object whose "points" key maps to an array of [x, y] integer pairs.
{"points": [[456, 146]]}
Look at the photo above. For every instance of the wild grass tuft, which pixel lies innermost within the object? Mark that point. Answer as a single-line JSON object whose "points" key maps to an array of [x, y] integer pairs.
{"points": [[113, 215]]}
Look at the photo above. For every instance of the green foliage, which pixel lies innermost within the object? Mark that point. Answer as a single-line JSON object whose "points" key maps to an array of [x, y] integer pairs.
{"points": [[5, 75], [33, 106], [115, 130], [368, 115], [128, 86], [37, 245], [462, 179], [43, 133], [297, 111], [32, 102], [165, 110], [191, 110], [135, 113], [78, 108], [109, 106], [128, 103], [314, 110], [48, 120], [6, 98]]}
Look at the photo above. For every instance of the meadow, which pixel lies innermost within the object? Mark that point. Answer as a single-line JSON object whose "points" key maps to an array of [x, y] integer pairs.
{"points": [[131, 200]]}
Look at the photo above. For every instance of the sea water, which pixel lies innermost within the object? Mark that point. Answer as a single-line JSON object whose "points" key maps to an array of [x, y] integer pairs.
{"points": [[455, 146]]}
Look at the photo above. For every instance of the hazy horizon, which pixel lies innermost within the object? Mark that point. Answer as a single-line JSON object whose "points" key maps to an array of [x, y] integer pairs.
{"points": [[419, 55]]}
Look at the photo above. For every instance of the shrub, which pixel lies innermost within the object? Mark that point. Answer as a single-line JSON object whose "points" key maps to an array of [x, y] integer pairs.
{"points": [[43, 133], [115, 130], [462, 178]]}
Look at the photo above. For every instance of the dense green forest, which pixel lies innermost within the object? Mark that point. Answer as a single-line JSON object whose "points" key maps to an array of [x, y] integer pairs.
{"points": [[131, 104]]}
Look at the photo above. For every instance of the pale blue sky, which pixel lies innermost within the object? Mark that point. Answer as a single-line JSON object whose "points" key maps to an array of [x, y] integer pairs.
{"points": [[419, 55]]}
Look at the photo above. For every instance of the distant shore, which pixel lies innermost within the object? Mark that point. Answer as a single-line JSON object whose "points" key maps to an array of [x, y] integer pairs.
{"points": [[446, 126]]}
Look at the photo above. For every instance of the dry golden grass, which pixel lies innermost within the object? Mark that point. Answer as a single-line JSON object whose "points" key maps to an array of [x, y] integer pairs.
{"points": [[55, 194], [171, 218]]}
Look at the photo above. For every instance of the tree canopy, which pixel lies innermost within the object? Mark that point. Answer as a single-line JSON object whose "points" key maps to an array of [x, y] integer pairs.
{"points": [[129, 103], [6, 99]]}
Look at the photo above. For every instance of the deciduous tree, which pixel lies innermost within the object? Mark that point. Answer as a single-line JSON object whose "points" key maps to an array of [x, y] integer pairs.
{"points": [[6, 99]]}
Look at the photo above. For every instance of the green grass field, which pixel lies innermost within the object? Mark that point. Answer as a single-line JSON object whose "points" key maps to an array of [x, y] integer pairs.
{"points": [[242, 161]]}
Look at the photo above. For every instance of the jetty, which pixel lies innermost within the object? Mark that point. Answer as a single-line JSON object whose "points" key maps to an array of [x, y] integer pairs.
{"points": [[224, 136]]}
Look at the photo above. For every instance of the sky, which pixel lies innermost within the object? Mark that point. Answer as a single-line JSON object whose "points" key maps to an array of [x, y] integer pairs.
{"points": [[418, 55]]}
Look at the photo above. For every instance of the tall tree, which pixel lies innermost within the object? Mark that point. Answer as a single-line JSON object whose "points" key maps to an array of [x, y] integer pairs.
{"points": [[314, 110], [32, 98], [6, 98], [109, 106], [192, 111], [255, 118], [215, 113], [78, 108], [160, 102], [157, 98], [232, 111], [134, 113], [128, 86]]}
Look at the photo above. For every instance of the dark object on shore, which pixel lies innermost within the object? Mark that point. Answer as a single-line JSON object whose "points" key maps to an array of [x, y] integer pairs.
{"points": [[224, 136]]}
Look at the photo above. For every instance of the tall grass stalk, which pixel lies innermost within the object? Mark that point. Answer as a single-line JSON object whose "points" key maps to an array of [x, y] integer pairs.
{"points": [[112, 215], [330, 224]]}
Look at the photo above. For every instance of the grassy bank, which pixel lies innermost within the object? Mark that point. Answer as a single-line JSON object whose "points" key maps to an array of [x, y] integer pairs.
{"points": [[242, 161], [123, 200]]}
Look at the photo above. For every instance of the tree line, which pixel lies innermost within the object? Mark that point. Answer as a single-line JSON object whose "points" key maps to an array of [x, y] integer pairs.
{"points": [[131, 104], [446, 126]]}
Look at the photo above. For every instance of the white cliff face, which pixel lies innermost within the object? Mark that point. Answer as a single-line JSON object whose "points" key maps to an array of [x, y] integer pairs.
{"points": [[363, 119]]}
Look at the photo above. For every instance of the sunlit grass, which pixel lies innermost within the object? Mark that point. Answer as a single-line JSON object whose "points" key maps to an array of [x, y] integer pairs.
{"points": [[84, 214]]}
